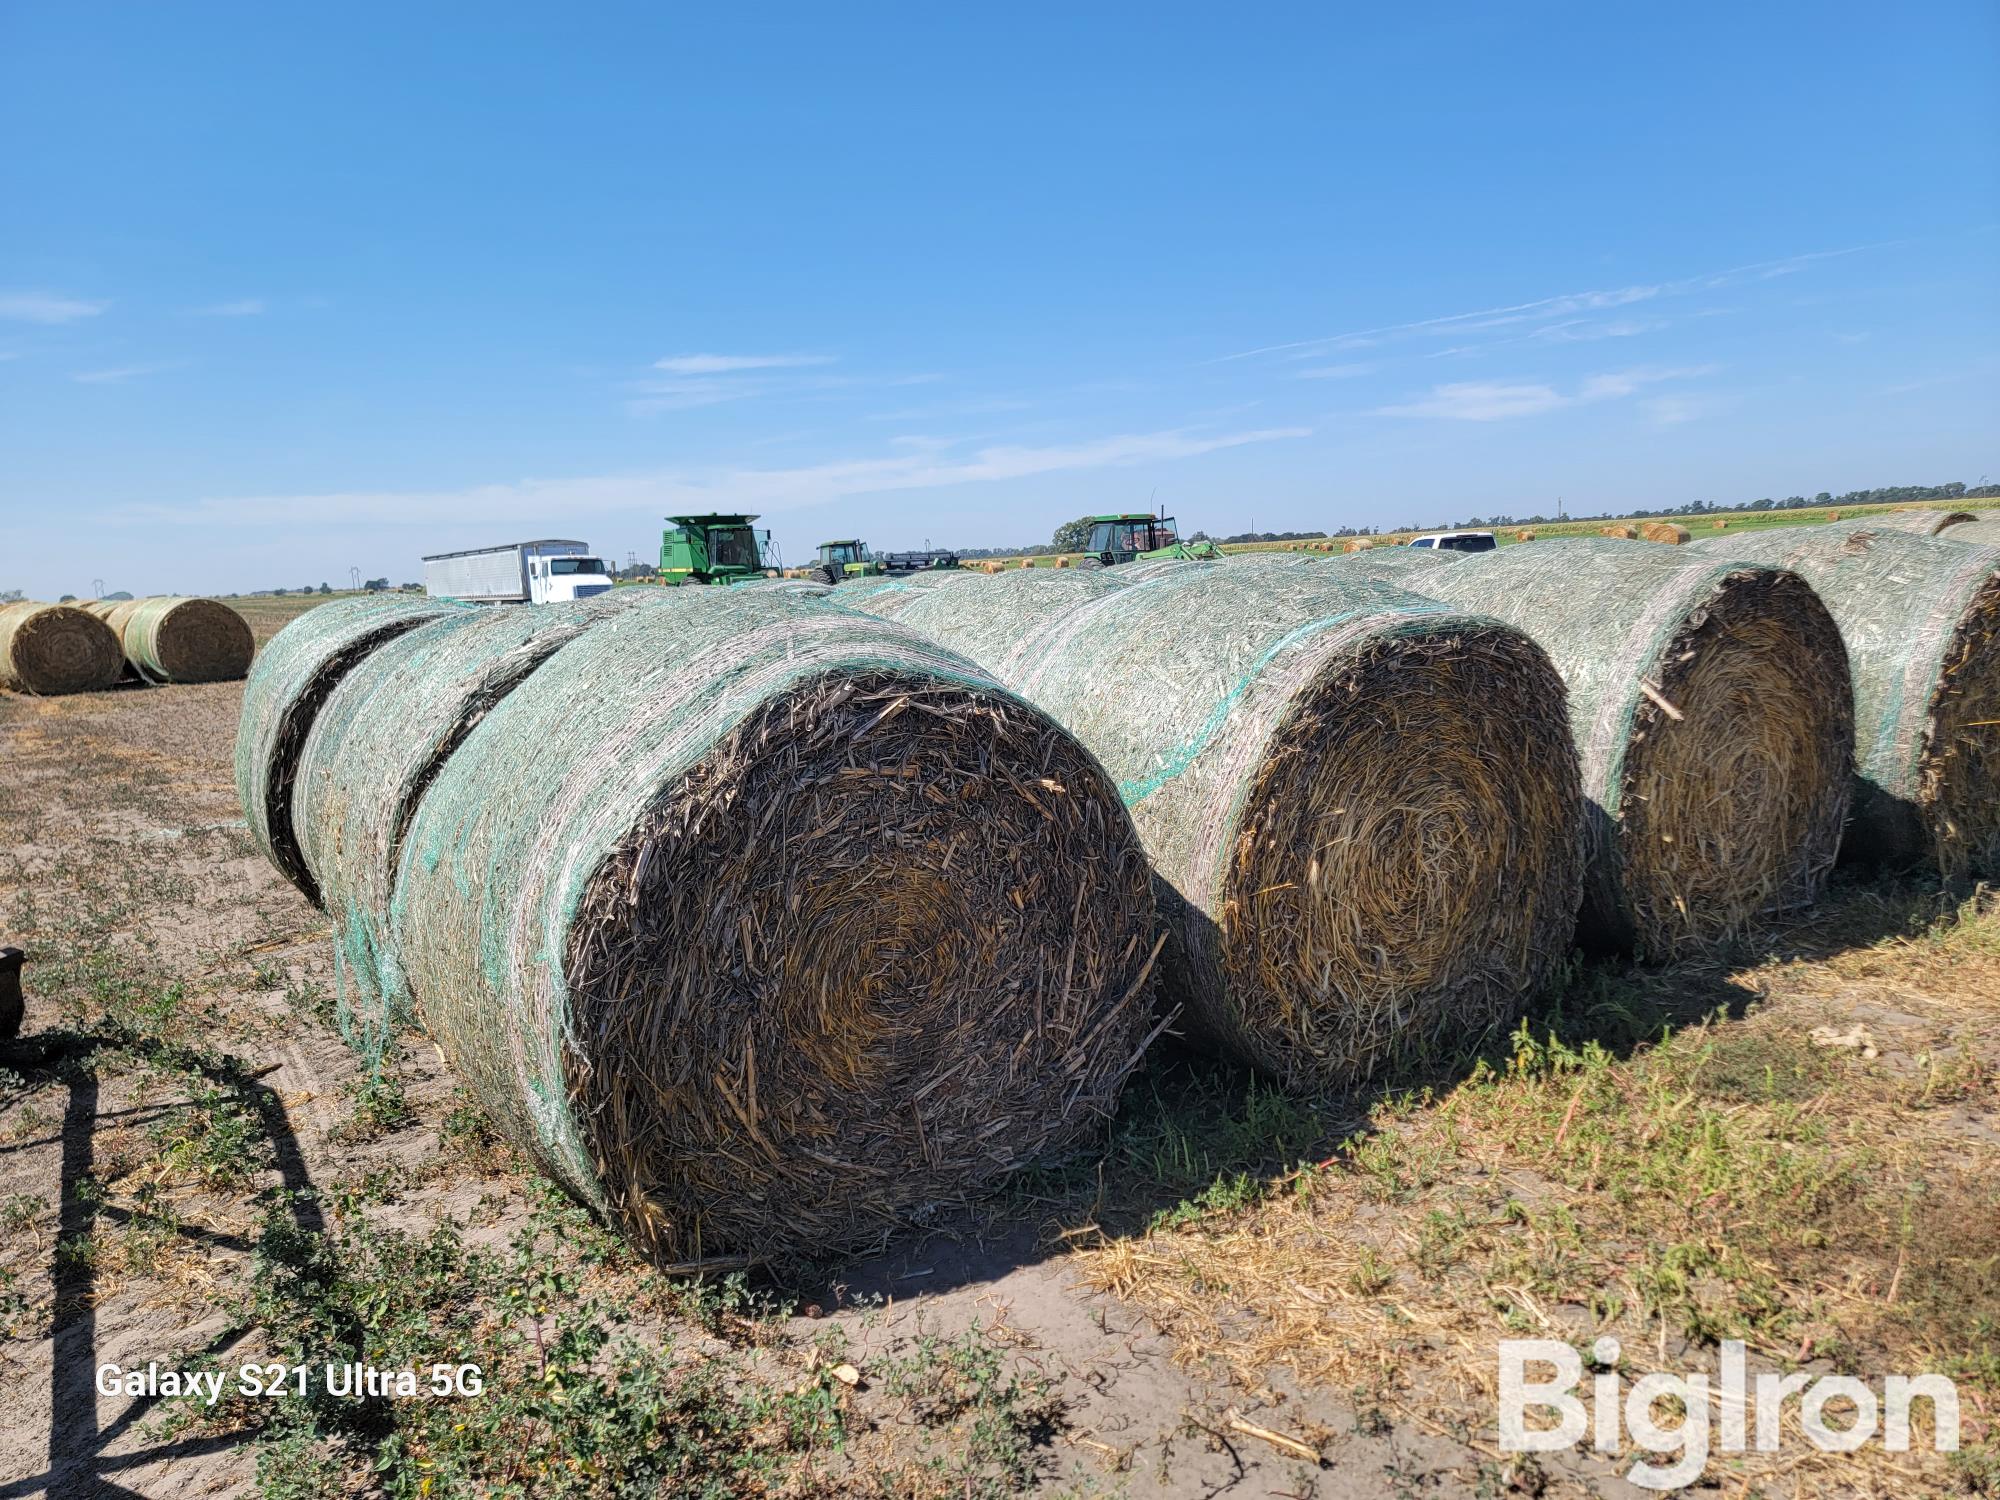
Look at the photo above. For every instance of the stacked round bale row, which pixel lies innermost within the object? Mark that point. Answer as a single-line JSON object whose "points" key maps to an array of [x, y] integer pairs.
{"points": [[764, 927], [1920, 614], [1362, 807], [63, 648], [1710, 705]]}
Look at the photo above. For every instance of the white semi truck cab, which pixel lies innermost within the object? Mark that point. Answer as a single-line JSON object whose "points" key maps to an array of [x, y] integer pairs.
{"points": [[544, 572]]}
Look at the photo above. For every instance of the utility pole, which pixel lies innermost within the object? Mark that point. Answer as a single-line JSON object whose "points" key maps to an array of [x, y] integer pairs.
{"points": [[97, 588], [355, 574]]}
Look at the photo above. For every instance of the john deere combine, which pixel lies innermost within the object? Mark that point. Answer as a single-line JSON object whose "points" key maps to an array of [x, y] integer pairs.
{"points": [[713, 549], [844, 560], [1139, 538]]}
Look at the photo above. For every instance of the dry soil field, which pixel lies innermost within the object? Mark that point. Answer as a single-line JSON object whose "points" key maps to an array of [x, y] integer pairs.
{"points": [[1245, 1296]]}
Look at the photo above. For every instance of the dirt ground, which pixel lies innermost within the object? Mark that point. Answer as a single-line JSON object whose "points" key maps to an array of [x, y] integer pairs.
{"points": [[1799, 1146]]}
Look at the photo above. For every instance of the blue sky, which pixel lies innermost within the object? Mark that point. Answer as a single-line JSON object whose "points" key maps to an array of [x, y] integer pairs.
{"points": [[285, 291]]}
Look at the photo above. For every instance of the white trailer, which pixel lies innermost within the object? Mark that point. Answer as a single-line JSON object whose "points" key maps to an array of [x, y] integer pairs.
{"points": [[544, 572]]}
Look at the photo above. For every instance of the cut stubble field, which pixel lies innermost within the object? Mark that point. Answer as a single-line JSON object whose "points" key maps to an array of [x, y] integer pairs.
{"points": [[1247, 1293]]}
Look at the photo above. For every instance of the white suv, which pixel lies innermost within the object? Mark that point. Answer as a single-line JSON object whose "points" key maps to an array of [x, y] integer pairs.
{"points": [[1458, 541]]}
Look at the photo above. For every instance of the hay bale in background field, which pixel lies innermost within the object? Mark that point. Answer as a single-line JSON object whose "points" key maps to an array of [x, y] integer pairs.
{"points": [[1524, 535], [1710, 704], [1359, 544], [1668, 532], [293, 677], [56, 648], [1921, 619], [1719, 525], [1916, 522], [1622, 533], [380, 739], [771, 963], [1363, 806], [170, 638], [1833, 515]]}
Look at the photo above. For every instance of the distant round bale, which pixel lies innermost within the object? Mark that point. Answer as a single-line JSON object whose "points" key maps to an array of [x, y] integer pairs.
{"points": [[1719, 524], [1916, 522], [1710, 704], [170, 638], [1622, 533], [768, 928], [56, 648], [1359, 544], [1669, 532], [293, 677], [1362, 806], [1525, 534], [372, 751], [1921, 619]]}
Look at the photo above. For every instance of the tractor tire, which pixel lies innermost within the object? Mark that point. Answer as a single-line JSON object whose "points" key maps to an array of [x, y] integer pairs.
{"points": [[1092, 561], [821, 575]]}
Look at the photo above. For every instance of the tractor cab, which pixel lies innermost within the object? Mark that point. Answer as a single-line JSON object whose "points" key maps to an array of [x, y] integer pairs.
{"points": [[1139, 538], [713, 549], [845, 559]]}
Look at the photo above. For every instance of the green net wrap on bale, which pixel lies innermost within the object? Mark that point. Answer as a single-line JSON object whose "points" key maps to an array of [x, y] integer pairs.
{"points": [[1362, 806], [375, 746], [1915, 522], [1921, 619], [172, 639], [1980, 533], [293, 677], [767, 927], [1710, 704], [56, 648]]}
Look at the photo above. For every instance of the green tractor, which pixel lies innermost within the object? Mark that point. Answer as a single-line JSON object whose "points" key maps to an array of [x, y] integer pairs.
{"points": [[712, 549], [1139, 538], [840, 561]]}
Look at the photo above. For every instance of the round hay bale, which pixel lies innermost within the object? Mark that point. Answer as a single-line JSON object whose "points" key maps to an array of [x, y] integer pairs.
{"points": [[1362, 806], [1980, 533], [1669, 532], [1922, 623], [1710, 704], [1622, 533], [293, 676], [773, 962], [995, 567], [373, 749], [170, 638], [1400, 567], [1718, 525], [1060, 562], [1525, 534], [1359, 544], [1833, 515], [56, 648], [1917, 522]]}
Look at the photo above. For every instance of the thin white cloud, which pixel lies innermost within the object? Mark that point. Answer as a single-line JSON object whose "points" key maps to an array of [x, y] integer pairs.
{"points": [[117, 374], [1335, 372], [41, 307], [921, 465], [243, 307], [723, 364], [1498, 401], [1545, 310]]}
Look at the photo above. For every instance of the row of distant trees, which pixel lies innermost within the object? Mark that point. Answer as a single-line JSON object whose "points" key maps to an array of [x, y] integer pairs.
{"points": [[1071, 535]]}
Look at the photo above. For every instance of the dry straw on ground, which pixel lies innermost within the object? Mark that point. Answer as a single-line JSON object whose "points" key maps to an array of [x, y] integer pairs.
{"points": [[1710, 704], [172, 639], [1363, 807], [56, 648], [293, 677], [373, 750], [768, 928], [1921, 620]]}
